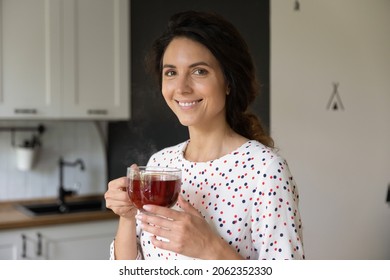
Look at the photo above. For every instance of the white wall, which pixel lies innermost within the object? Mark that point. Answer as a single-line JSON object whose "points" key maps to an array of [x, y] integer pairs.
{"points": [[340, 158], [68, 139]]}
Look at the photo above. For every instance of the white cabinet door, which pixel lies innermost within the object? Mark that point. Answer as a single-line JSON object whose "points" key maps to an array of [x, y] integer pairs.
{"points": [[95, 59], [29, 59], [20, 244], [9, 245], [87, 241], [79, 241]]}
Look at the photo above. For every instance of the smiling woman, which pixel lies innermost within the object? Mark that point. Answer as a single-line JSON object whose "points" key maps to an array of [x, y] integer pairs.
{"points": [[238, 198], [226, 53]]}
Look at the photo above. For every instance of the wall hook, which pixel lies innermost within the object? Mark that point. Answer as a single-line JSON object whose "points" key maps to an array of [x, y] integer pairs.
{"points": [[297, 5]]}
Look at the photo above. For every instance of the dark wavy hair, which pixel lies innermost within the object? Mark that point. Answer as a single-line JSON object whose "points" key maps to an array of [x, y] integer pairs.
{"points": [[230, 49]]}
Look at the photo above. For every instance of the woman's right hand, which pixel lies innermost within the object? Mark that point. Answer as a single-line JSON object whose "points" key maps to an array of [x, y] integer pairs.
{"points": [[118, 200]]}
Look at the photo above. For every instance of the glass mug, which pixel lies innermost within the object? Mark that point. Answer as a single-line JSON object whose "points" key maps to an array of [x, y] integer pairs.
{"points": [[153, 185]]}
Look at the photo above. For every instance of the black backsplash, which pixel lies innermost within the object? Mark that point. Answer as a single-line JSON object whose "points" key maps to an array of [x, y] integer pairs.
{"points": [[152, 125]]}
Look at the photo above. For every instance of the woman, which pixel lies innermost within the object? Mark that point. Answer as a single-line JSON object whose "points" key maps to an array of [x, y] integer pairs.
{"points": [[239, 200]]}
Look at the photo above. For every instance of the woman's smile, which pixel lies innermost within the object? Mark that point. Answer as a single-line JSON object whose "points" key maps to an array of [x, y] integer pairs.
{"points": [[188, 104]]}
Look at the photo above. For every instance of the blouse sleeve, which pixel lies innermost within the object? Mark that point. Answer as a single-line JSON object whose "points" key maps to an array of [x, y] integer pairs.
{"points": [[276, 227], [112, 250]]}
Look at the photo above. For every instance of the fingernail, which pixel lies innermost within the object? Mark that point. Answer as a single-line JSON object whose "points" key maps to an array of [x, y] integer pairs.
{"points": [[147, 207]]}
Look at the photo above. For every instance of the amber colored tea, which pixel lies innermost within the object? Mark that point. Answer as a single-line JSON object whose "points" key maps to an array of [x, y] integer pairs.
{"points": [[154, 189]]}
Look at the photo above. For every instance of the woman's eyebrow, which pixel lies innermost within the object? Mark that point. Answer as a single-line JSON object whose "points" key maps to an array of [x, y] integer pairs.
{"points": [[200, 63], [169, 66]]}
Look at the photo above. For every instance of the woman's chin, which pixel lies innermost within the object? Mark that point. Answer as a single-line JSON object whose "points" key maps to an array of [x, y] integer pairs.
{"points": [[186, 122]]}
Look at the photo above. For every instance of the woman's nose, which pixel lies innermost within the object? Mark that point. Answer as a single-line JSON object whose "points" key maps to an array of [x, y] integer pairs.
{"points": [[183, 84]]}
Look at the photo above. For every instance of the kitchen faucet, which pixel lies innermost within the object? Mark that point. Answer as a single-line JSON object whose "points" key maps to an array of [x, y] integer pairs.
{"points": [[62, 192]]}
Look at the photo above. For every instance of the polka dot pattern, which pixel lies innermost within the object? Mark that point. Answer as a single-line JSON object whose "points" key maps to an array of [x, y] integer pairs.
{"points": [[249, 197]]}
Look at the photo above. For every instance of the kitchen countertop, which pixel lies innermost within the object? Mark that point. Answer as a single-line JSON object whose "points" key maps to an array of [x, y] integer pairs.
{"points": [[11, 217]]}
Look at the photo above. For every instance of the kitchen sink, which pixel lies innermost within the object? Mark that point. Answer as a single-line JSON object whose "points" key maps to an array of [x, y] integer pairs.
{"points": [[69, 207]]}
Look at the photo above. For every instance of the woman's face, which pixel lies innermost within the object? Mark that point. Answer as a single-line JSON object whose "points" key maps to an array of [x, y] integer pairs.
{"points": [[193, 84]]}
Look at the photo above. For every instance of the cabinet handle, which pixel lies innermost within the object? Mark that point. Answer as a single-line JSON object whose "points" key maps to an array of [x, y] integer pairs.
{"points": [[97, 112], [30, 111], [24, 246], [39, 244]]}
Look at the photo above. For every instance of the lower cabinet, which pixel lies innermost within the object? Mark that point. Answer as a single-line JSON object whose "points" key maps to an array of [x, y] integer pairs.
{"points": [[78, 241]]}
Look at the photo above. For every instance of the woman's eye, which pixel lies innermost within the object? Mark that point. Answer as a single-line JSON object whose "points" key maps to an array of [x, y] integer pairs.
{"points": [[200, 72], [169, 73]]}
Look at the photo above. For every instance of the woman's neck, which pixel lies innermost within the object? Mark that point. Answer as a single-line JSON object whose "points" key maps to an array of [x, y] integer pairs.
{"points": [[210, 145]]}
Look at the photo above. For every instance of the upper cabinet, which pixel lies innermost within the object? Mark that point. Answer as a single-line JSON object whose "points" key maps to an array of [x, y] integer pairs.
{"points": [[64, 59], [29, 59], [95, 58]]}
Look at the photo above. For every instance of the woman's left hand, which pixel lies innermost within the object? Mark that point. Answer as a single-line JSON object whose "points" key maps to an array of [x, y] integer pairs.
{"points": [[187, 231]]}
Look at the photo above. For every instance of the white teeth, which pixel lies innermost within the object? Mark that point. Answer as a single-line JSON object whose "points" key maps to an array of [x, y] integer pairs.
{"points": [[187, 104]]}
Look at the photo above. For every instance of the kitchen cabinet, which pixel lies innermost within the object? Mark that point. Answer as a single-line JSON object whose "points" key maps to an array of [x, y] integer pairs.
{"points": [[95, 59], [9, 244], [78, 241], [29, 59], [64, 59]]}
